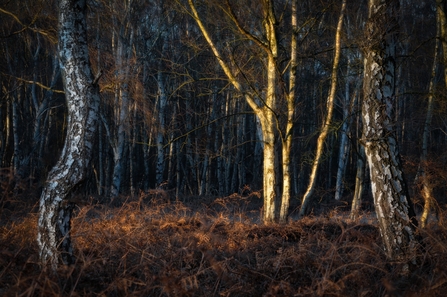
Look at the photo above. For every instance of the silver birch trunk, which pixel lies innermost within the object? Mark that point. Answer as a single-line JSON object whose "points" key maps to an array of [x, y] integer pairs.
{"points": [[426, 184], [123, 55], [205, 179], [265, 107], [288, 136], [330, 108], [162, 102], [16, 129], [344, 142], [173, 152], [391, 199], [258, 149], [82, 98]]}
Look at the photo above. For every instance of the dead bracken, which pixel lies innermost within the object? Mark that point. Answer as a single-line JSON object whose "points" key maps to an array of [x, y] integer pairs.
{"points": [[146, 247]]}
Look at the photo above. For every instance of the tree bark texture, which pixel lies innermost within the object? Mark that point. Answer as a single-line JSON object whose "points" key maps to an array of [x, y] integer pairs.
{"points": [[82, 99], [391, 199]]}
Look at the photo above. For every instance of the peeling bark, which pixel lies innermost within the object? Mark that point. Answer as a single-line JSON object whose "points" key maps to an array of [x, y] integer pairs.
{"points": [[391, 199], [82, 98]]}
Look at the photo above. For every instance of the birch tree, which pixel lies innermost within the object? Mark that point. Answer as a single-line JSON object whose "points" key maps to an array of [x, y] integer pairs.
{"points": [[327, 122], [82, 99], [264, 102], [122, 100], [391, 198], [422, 175]]}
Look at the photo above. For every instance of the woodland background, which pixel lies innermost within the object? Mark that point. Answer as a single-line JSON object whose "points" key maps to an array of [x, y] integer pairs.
{"points": [[177, 143], [171, 120]]}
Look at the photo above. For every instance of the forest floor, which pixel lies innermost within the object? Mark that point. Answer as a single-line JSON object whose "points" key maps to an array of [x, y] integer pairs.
{"points": [[152, 246]]}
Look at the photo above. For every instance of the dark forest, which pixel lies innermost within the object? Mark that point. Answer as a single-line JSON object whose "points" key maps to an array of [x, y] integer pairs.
{"points": [[223, 148]]}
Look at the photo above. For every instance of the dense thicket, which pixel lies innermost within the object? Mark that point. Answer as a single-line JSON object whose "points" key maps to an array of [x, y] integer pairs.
{"points": [[205, 107], [170, 118]]}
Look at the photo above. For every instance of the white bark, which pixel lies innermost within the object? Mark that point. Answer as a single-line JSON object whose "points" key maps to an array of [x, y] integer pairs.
{"points": [[288, 136], [330, 108], [426, 184], [263, 101], [391, 200], [82, 99]]}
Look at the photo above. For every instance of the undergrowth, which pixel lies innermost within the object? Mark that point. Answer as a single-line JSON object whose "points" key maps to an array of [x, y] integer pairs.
{"points": [[152, 246]]}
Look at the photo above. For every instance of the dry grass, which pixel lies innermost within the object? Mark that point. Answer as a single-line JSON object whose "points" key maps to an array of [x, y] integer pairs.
{"points": [[155, 247]]}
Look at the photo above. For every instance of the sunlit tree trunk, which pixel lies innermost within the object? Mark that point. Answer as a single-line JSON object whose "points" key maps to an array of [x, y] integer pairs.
{"points": [[288, 137], [391, 199], [267, 117], [265, 110], [326, 125], [82, 98], [425, 183]]}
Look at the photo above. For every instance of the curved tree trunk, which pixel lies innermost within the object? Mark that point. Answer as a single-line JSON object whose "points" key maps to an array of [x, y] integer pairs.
{"points": [[82, 98], [265, 110], [330, 108]]}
